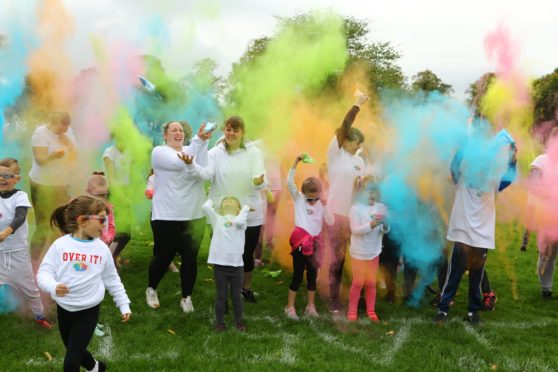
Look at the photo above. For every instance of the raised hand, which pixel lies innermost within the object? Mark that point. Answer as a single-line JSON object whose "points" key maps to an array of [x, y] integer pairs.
{"points": [[185, 158]]}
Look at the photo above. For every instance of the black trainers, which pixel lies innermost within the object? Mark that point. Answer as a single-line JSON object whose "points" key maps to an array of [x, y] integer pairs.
{"points": [[489, 300], [248, 295], [472, 318], [102, 366], [440, 318], [241, 327], [547, 295]]}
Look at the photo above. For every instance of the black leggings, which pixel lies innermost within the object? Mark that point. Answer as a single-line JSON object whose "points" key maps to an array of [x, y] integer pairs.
{"points": [[121, 240], [76, 329], [225, 277], [171, 237], [300, 263], [252, 236]]}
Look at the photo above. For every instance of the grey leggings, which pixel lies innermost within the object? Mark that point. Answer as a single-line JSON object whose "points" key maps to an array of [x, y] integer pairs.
{"points": [[226, 276], [547, 259]]}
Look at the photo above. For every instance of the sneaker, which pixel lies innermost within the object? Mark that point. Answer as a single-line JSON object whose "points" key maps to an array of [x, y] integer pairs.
{"points": [[290, 312], [102, 366], [186, 305], [373, 317], [547, 295], [311, 312], [472, 318], [334, 306], [173, 268], [241, 327], [220, 328], [44, 323], [489, 300], [440, 318], [151, 298], [248, 295], [258, 262], [352, 317]]}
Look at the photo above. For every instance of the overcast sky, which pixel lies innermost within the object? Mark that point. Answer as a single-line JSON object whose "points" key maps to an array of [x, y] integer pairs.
{"points": [[443, 36]]}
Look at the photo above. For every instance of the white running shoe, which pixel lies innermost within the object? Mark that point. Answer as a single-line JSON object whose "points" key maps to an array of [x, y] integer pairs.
{"points": [[290, 312], [173, 268], [151, 298], [186, 305], [311, 312]]}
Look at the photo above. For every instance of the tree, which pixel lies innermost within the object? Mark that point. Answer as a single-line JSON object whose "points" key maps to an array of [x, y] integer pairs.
{"points": [[545, 97], [427, 81]]}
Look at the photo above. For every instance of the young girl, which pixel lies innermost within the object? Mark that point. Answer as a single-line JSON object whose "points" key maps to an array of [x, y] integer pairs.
{"points": [[75, 272], [367, 228], [97, 187], [225, 253], [306, 238]]}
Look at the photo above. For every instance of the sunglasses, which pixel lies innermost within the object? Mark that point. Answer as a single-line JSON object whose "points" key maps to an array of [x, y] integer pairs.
{"points": [[101, 195], [312, 200], [7, 176], [102, 219]]}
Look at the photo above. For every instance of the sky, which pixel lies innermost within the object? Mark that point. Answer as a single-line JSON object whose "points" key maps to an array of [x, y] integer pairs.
{"points": [[429, 34]]}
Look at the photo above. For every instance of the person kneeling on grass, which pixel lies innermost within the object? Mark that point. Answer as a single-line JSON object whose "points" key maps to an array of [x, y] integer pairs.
{"points": [[367, 228], [75, 272], [225, 253], [306, 241]]}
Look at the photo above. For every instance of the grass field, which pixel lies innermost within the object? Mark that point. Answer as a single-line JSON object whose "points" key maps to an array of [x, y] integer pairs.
{"points": [[519, 335]]}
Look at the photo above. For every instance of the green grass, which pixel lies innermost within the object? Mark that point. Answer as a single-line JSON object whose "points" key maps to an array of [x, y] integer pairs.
{"points": [[519, 335]]}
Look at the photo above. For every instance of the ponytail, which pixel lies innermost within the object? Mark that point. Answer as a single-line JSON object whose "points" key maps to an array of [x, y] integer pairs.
{"points": [[58, 219], [66, 216]]}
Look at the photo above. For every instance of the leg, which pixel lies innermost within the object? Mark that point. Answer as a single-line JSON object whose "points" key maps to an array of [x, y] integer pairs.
{"points": [[545, 269], [409, 278], [222, 287], [270, 218], [370, 286], [311, 276], [456, 268], [121, 240], [79, 334], [165, 237], [24, 280], [339, 234], [359, 267], [476, 260], [190, 238], [389, 260], [236, 286], [252, 235]]}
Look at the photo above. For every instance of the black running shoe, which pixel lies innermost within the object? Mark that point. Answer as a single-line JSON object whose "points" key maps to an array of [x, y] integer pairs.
{"points": [[248, 295], [547, 295], [440, 318], [102, 366], [472, 318]]}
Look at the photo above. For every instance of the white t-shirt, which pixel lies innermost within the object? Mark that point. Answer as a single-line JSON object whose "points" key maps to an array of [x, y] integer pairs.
{"points": [[17, 240], [366, 242], [542, 197], [308, 217], [227, 242], [86, 268], [342, 169], [232, 175], [178, 195], [122, 165], [473, 216], [57, 171]]}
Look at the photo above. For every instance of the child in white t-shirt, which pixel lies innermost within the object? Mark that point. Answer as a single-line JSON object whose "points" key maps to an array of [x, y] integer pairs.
{"points": [[15, 260], [367, 229], [306, 238], [225, 253]]}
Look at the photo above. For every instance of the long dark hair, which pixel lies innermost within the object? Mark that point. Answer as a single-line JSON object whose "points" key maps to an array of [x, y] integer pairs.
{"points": [[65, 217]]}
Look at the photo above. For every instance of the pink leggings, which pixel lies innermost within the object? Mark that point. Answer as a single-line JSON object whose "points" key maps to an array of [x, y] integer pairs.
{"points": [[364, 275]]}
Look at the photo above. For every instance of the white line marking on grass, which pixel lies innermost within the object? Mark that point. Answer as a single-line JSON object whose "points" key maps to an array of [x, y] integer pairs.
{"points": [[105, 348], [401, 336], [480, 338]]}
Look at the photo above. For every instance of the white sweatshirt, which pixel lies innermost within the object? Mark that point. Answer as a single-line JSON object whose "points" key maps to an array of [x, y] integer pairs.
{"points": [[366, 242], [227, 243], [179, 195], [232, 175], [308, 217], [86, 268]]}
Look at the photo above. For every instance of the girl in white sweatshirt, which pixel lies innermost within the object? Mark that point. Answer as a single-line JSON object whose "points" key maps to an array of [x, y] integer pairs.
{"points": [[75, 272], [367, 228]]}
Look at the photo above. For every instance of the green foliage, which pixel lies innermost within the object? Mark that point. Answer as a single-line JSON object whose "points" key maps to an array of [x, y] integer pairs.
{"points": [[545, 96], [426, 81]]}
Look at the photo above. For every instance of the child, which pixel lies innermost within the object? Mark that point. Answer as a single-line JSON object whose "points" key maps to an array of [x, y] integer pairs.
{"points": [[306, 240], [75, 272], [367, 228], [97, 187], [225, 253], [15, 260]]}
